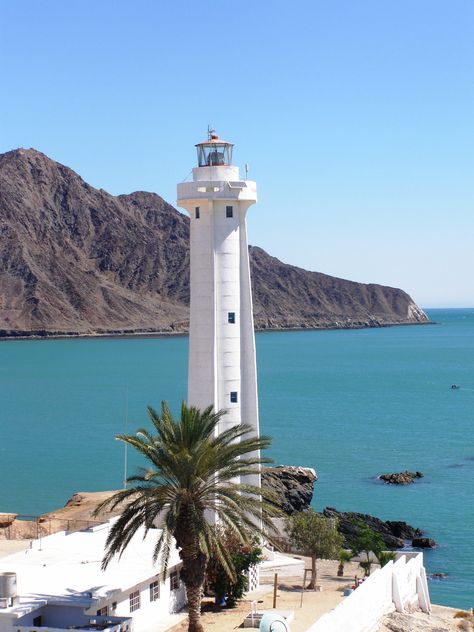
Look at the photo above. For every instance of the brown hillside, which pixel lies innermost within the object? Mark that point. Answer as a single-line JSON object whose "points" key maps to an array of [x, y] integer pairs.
{"points": [[74, 259]]}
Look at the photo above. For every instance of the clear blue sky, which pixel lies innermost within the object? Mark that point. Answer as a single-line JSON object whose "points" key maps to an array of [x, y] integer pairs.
{"points": [[356, 117]]}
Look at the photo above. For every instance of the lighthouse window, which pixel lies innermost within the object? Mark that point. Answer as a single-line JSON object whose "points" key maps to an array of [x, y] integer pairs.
{"points": [[231, 318], [197, 212], [233, 397], [229, 211]]}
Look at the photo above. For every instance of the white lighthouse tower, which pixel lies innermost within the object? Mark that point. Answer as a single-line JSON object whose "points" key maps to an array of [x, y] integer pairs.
{"points": [[222, 367]]}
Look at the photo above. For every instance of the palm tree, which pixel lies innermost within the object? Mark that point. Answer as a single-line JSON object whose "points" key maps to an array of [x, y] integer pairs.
{"points": [[384, 557], [193, 472]]}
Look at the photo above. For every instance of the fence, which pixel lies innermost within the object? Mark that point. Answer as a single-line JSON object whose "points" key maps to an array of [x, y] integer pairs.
{"points": [[26, 527]]}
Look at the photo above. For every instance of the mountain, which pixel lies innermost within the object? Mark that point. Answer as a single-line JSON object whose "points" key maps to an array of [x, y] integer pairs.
{"points": [[77, 260]]}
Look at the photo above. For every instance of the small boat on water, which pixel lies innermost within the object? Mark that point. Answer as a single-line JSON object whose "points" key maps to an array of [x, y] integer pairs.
{"points": [[454, 387]]}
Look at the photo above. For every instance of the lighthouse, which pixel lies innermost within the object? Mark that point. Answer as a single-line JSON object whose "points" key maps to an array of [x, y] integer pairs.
{"points": [[222, 365]]}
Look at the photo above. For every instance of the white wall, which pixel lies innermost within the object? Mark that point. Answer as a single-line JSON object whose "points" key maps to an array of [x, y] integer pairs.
{"points": [[395, 586], [170, 601]]}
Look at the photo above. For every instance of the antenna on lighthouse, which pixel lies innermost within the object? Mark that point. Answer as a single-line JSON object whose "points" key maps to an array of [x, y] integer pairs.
{"points": [[210, 132], [246, 170]]}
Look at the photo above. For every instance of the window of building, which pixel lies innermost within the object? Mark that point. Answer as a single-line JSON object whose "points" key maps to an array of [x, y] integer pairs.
{"points": [[174, 580], [233, 397], [103, 612], [114, 605], [134, 599], [229, 211], [154, 591], [197, 212], [231, 318]]}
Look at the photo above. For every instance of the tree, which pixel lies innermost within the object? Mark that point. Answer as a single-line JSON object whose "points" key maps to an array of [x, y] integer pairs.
{"points": [[192, 472], [243, 556], [384, 557], [315, 536], [344, 557], [367, 541]]}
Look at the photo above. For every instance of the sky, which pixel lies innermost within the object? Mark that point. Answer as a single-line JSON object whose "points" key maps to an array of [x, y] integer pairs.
{"points": [[356, 118]]}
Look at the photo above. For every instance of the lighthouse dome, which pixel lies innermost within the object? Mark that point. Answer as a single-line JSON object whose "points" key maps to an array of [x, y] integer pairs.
{"points": [[214, 151]]}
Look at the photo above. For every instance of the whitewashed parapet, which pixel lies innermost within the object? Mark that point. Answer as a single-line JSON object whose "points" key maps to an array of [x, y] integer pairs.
{"points": [[396, 586]]}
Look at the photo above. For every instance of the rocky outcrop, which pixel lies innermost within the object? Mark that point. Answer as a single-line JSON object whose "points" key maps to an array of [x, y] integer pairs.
{"points": [[423, 543], [395, 534], [292, 487], [400, 478], [77, 260]]}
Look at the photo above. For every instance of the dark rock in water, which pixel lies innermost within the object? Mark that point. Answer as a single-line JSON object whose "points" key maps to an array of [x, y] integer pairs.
{"points": [[423, 543], [394, 533], [400, 478], [292, 486]]}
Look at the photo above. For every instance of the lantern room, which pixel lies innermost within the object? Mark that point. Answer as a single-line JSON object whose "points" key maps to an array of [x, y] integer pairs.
{"points": [[214, 152]]}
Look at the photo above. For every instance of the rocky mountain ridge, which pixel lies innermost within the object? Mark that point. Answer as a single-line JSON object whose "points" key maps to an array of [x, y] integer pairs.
{"points": [[75, 260]]}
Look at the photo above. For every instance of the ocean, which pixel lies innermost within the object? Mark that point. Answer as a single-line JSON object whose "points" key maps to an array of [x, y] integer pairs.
{"points": [[351, 404]]}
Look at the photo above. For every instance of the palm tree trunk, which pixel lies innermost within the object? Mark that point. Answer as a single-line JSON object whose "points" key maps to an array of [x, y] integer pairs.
{"points": [[193, 594], [314, 575], [193, 574]]}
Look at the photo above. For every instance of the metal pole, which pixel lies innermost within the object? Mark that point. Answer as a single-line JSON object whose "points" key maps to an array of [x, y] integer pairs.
{"points": [[126, 444], [303, 589], [275, 584]]}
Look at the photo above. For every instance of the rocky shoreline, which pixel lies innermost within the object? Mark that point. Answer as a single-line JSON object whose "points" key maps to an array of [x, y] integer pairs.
{"points": [[43, 334], [293, 489]]}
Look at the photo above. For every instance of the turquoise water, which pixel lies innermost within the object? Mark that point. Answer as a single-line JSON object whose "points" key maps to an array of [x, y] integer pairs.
{"points": [[351, 404]]}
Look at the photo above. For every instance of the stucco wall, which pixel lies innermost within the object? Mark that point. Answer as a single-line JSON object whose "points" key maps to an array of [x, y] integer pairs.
{"points": [[395, 586]]}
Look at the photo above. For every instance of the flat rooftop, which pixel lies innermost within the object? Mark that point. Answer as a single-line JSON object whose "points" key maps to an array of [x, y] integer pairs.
{"points": [[65, 568]]}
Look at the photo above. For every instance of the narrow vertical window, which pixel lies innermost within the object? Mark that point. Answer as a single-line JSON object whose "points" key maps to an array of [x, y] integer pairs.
{"points": [[229, 211], [154, 591], [174, 580], [233, 397], [197, 212], [231, 318], [134, 600]]}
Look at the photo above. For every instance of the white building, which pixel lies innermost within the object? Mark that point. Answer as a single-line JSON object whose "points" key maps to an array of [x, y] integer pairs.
{"points": [[222, 366], [60, 585]]}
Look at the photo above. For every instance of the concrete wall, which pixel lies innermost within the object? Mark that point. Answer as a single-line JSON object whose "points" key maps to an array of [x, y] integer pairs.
{"points": [[56, 616], [170, 601], [118, 626], [395, 586]]}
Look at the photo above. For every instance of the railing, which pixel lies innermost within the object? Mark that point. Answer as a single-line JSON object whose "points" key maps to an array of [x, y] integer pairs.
{"points": [[95, 624], [26, 527]]}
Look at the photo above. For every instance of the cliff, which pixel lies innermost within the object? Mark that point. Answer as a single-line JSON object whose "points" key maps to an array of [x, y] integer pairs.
{"points": [[291, 487], [77, 260]]}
